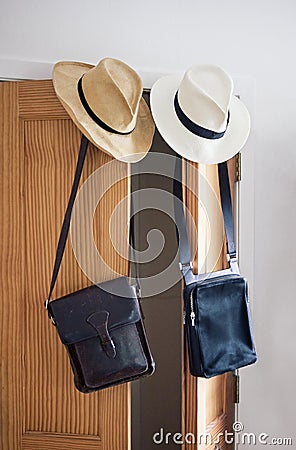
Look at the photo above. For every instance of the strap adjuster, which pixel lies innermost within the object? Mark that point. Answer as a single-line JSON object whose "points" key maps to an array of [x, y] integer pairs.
{"points": [[46, 306], [233, 263], [184, 267], [232, 257]]}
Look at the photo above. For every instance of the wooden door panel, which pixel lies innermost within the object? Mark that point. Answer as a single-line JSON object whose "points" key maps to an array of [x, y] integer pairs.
{"points": [[41, 409], [214, 399], [12, 270], [46, 441]]}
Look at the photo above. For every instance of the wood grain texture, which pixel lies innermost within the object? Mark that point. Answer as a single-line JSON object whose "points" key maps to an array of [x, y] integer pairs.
{"points": [[53, 441], [214, 398], [190, 423], [216, 430], [40, 408], [11, 270], [38, 101], [115, 426]]}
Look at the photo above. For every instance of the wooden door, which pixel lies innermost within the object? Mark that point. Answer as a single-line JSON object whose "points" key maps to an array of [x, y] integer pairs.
{"points": [[40, 408], [208, 403]]}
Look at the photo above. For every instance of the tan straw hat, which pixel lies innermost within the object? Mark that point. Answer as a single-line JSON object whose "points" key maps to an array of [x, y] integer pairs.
{"points": [[106, 104], [198, 115]]}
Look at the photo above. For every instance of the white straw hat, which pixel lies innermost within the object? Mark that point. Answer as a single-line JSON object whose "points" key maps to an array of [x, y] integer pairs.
{"points": [[198, 115], [106, 104]]}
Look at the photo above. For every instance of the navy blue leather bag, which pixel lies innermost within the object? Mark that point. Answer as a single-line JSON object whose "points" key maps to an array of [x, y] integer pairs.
{"points": [[216, 307]]}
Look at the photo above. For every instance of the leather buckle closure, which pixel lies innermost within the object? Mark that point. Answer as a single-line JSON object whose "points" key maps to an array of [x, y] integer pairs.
{"points": [[99, 321]]}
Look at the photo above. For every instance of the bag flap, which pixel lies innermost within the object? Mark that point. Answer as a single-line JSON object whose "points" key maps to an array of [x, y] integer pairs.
{"points": [[219, 300], [71, 312]]}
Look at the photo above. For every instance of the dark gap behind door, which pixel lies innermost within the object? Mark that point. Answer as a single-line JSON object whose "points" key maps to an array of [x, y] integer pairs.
{"points": [[156, 400]]}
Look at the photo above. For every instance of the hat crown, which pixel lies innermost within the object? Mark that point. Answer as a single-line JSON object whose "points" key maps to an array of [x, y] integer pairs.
{"points": [[204, 96], [113, 91]]}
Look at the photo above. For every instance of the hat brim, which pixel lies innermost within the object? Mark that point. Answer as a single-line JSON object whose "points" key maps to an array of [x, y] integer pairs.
{"points": [[128, 148], [187, 144]]}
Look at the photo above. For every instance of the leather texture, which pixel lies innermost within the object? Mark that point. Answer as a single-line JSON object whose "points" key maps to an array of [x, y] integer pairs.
{"points": [[220, 336], [102, 329]]}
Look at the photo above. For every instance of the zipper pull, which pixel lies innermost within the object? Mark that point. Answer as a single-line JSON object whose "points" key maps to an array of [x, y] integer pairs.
{"points": [[184, 317], [192, 317]]}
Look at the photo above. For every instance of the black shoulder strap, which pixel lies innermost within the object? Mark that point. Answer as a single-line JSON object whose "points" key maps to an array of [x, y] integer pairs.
{"points": [[67, 219], [180, 220], [226, 204], [132, 252], [181, 227]]}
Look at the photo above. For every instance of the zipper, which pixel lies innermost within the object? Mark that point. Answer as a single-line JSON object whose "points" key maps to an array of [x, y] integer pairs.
{"points": [[192, 313]]}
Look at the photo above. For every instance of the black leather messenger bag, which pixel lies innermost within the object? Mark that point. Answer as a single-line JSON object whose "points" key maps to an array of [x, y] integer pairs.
{"points": [[216, 307], [101, 326]]}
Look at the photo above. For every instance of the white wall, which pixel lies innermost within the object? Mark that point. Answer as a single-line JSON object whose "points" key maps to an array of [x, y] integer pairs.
{"points": [[255, 41]]}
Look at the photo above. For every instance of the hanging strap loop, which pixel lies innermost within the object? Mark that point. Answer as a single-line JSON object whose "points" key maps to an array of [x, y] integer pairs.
{"points": [[180, 220]]}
